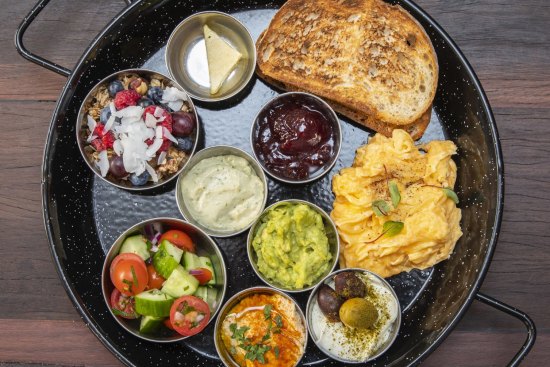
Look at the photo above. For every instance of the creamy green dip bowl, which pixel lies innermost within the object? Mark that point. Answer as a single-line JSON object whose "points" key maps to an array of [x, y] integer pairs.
{"points": [[303, 256]]}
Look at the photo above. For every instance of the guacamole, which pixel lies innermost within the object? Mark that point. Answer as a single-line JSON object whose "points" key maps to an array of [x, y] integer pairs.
{"points": [[292, 246]]}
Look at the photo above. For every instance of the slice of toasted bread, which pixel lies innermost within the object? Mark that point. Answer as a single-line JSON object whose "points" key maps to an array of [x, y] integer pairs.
{"points": [[372, 61], [416, 128]]}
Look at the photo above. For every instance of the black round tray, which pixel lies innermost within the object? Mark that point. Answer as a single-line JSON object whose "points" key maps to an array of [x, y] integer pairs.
{"points": [[84, 215]]}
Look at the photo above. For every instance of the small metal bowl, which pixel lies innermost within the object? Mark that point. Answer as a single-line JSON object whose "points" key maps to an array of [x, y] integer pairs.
{"points": [[330, 230], [210, 152], [312, 301], [322, 107], [224, 354], [205, 246], [81, 124], [186, 55]]}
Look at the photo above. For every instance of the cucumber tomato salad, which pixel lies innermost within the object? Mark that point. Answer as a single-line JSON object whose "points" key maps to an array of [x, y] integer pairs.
{"points": [[164, 283]]}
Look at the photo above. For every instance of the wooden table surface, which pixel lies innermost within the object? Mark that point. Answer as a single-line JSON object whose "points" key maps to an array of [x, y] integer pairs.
{"points": [[506, 41]]}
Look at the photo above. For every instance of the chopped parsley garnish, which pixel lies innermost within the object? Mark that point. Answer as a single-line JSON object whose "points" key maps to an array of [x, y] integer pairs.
{"points": [[279, 321], [267, 311]]}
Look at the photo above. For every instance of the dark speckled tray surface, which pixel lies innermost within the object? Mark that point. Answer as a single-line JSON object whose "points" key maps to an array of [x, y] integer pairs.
{"points": [[85, 214]]}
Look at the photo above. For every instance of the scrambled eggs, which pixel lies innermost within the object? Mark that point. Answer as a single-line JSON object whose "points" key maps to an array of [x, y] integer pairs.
{"points": [[431, 219]]}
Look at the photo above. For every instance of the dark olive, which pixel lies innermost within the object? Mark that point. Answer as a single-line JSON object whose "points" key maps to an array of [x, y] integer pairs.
{"points": [[329, 302], [348, 285]]}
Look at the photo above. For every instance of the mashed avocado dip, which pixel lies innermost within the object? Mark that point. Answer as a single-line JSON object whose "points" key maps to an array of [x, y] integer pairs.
{"points": [[223, 193], [292, 246]]}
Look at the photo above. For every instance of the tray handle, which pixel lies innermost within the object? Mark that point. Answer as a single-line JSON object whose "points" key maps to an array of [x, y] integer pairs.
{"points": [[39, 60], [520, 315]]}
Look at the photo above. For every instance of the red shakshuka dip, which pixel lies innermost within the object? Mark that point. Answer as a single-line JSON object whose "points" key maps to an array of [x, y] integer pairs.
{"points": [[294, 137]]}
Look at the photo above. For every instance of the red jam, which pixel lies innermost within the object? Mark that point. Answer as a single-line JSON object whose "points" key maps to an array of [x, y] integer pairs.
{"points": [[294, 138]]}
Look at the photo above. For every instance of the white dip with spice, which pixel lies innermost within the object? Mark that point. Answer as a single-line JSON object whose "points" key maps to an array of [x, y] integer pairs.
{"points": [[353, 344], [223, 193]]}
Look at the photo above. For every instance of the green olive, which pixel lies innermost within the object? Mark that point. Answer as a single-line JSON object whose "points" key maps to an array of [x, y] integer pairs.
{"points": [[358, 313]]}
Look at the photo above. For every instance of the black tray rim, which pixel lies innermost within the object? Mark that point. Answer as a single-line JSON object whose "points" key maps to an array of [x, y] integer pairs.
{"points": [[499, 163]]}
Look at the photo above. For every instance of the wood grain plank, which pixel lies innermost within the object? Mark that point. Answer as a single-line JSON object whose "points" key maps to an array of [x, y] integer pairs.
{"points": [[507, 44], [71, 344]]}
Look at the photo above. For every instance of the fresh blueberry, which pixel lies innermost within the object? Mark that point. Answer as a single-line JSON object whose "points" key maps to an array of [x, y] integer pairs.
{"points": [[139, 180], [105, 114], [115, 87], [155, 93], [144, 102], [186, 144]]}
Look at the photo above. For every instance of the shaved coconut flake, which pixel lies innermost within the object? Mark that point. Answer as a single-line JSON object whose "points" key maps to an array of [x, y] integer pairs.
{"points": [[162, 158], [130, 111], [91, 124], [134, 156], [161, 119], [175, 105], [117, 147], [109, 123], [168, 135], [152, 172], [158, 134], [158, 112], [90, 138], [103, 163], [150, 120], [172, 94], [153, 148], [112, 107]]}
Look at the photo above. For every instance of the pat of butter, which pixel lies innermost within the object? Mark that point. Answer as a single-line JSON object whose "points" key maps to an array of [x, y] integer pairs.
{"points": [[222, 59]]}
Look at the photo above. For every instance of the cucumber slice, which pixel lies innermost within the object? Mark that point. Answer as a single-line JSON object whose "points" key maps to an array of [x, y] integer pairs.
{"points": [[180, 283], [153, 303], [167, 258], [150, 324], [136, 245], [201, 292], [212, 298], [206, 263], [190, 261]]}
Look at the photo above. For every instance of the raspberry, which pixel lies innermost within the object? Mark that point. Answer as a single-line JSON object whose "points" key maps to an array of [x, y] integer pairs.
{"points": [[98, 131], [108, 139], [149, 141], [165, 145], [98, 145], [126, 98], [167, 123]]}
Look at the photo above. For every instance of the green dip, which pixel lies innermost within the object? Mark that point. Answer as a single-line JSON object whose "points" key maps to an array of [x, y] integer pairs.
{"points": [[292, 246]]}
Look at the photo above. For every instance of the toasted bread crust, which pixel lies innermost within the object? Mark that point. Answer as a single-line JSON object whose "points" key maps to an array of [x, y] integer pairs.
{"points": [[371, 60], [416, 128]]}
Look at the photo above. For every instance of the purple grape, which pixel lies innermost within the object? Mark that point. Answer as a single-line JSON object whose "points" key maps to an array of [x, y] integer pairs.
{"points": [[117, 167], [183, 123]]}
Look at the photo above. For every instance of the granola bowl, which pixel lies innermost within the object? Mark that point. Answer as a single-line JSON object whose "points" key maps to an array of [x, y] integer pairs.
{"points": [[137, 129]]}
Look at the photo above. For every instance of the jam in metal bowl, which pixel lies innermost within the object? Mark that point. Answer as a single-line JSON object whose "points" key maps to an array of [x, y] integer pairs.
{"points": [[296, 137]]}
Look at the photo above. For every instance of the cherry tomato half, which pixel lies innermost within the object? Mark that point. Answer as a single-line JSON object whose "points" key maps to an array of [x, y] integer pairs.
{"points": [[189, 315], [180, 239], [203, 275], [129, 274], [155, 280], [122, 305]]}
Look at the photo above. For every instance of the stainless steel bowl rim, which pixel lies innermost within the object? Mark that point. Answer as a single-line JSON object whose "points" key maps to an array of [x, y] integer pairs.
{"points": [[249, 249], [252, 290], [81, 116], [325, 169], [105, 271], [169, 47], [397, 321], [197, 158]]}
